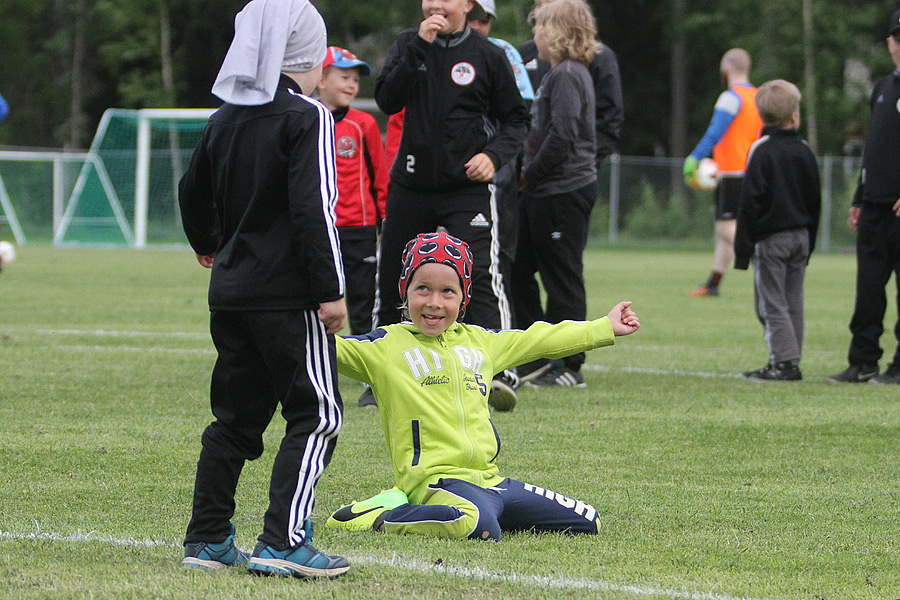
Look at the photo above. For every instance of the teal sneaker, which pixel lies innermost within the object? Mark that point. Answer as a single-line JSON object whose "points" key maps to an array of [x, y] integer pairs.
{"points": [[212, 557], [363, 515], [302, 561]]}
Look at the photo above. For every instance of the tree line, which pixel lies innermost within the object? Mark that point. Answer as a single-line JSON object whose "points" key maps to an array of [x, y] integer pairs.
{"points": [[65, 61]]}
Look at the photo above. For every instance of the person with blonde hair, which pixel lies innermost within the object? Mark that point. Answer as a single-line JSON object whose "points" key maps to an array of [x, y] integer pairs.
{"points": [[609, 111], [558, 180], [777, 223]]}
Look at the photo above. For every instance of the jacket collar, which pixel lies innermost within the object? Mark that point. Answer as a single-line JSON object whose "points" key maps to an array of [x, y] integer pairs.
{"points": [[340, 113], [454, 39], [286, 82], [772, 130], [411, 327]]}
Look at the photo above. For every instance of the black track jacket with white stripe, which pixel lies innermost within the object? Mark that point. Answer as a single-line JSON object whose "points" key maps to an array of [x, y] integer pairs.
{"points": [[260, 194], [452, 90]]}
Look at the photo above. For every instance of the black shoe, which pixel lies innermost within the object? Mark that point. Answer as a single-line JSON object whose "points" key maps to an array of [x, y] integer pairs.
{"points": [[855, 374], [367, 399], [782, 371], [559, 375], [891, 375], [503, 393], [532, 370]]}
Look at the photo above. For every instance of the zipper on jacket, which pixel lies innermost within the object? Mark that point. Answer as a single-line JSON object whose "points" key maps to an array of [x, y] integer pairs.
{"points": [[417, 443], [460, 405]]}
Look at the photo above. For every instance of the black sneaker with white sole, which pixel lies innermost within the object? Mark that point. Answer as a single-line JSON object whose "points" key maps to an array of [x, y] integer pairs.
{"points": [[890, 375], [503, 393], [855, 374], [533, 369], [560, 376], [782, 371]]}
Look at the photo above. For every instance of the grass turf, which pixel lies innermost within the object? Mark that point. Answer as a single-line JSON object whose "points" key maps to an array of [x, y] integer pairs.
{"points": [[709, 487]]}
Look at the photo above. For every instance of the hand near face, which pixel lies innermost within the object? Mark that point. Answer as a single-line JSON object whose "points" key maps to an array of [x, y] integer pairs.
{"points": [[431, 26]]}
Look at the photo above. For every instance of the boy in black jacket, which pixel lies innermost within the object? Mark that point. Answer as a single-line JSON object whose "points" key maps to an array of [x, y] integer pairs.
{"points": [[777, 222], [257, 202]]}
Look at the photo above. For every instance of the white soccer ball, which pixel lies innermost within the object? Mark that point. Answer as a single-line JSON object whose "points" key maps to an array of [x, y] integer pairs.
{"points": [[707, 174], [7, 253]]}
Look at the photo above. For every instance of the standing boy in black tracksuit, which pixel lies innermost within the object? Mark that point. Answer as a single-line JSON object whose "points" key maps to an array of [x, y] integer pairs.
{"points": [[257, 203], [777, 222], [452, 82], [875, 216]]}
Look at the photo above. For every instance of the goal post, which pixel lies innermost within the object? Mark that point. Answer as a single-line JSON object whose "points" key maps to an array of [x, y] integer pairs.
{"points": [[145, 120], [127, 191]]}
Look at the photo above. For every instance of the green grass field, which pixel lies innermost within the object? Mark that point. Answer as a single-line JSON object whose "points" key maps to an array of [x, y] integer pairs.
{"points": [[709, 487]]}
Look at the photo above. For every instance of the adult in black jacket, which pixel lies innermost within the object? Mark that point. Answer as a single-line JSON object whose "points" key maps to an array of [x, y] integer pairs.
{"points": [[875, 216]]}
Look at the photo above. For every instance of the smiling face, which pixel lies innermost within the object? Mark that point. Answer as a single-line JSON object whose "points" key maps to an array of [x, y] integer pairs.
{"points": [[453, 10], [434, 298], [338, 87]]}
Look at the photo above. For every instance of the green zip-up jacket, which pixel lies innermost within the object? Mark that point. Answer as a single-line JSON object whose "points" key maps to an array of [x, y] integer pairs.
{"points": [[432, 391]]}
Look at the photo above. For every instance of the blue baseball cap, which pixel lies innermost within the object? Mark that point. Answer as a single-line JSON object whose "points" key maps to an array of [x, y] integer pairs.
{"points": [[344, 59]]}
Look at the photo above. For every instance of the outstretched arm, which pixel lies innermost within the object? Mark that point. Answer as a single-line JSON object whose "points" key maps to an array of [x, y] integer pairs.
{"points": [[624, 320]]}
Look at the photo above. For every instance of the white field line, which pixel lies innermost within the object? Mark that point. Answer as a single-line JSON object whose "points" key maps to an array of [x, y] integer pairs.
{"points": [[204, 336], [113, 333], [648, 371], [417, 566], [136, 349]]}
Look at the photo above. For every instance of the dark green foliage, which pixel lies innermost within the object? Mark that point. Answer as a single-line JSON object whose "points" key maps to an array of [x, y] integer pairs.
{"points": [[122, 62]]}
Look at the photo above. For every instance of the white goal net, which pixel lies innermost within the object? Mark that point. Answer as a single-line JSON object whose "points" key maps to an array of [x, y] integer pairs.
{"points": [[127, 193]]}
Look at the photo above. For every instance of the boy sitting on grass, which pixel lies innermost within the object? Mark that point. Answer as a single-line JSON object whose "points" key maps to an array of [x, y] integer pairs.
{"points": [[431, 376]]}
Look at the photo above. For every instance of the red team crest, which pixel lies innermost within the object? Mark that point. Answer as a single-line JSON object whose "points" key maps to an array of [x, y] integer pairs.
{"points": [[345, 147], [462, 73]]}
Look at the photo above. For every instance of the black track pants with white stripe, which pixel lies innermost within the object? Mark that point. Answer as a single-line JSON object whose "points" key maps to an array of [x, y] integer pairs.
{"points": [[266, 358]]}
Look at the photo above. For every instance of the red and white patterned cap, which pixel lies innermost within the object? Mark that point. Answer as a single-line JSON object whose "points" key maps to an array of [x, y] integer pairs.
{"points": [[438, 248]]}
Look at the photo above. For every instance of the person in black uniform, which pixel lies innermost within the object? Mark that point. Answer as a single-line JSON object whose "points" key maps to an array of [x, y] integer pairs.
{"points": [[777, 223], [875, 216], [464, 119], [257, 203]]}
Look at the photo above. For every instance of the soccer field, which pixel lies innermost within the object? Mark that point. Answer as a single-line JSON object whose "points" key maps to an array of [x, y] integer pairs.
{"points": [[709, 487]]}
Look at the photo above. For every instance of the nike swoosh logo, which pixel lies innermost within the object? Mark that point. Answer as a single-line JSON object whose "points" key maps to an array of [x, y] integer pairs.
{"points": [[352, 515]]}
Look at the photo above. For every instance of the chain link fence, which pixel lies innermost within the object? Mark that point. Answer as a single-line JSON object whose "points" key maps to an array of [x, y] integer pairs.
{"points": [[642, 202]]}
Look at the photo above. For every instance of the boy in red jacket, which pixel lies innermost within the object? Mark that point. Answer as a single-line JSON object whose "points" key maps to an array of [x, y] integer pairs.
{"points": [[362, 177]]}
